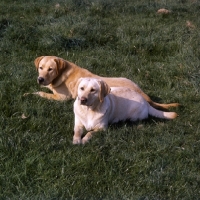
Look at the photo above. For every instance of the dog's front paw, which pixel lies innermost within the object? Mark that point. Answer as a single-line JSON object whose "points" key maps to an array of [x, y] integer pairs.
{"points": [[85, 140], [76, 140], [26, 94], [38, 93]]}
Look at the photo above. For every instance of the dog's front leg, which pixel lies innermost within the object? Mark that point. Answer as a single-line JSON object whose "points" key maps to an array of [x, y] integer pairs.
{"points": [[51, 96], [77, 135], [78, 131], [88, 136]]}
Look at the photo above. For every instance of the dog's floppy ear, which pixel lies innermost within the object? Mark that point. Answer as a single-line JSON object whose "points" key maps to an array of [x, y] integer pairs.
{"points": [[73, 87], [61, 65], [37, 61], [104, 90]]}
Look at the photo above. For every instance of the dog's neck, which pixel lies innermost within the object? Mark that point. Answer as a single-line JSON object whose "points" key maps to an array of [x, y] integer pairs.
{"points": [[61, 78], [67, 74], [95, 107]]}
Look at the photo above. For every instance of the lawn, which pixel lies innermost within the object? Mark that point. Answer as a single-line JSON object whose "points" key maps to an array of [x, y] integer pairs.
{"points": [[151, 159]]}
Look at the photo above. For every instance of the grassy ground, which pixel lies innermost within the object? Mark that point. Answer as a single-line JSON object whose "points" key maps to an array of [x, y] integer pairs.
{"points": [[153, 159]]}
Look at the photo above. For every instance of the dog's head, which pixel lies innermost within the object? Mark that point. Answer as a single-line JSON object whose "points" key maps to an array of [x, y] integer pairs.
{"points": [[49, 69], [91, 91]]}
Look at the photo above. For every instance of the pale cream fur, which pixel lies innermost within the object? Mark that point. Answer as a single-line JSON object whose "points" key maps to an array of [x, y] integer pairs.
{"points": [[95, 107], [61, 76]]}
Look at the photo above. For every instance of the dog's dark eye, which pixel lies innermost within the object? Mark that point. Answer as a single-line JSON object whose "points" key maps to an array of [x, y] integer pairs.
{"points": [[40, 67], [82, 88], [92, 90], [49, 69]]}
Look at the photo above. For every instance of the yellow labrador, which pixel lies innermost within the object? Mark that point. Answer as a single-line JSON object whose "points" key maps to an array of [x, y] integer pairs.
{"points": [[61, 76], [95, 107]]}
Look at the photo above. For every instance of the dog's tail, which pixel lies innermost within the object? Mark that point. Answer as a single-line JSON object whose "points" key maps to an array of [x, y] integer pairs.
{"points": [[163, 106], [159, 106], [161, 114]]}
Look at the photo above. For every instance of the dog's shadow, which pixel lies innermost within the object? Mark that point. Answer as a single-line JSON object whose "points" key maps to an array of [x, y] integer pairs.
{"points": [[128, 123]]}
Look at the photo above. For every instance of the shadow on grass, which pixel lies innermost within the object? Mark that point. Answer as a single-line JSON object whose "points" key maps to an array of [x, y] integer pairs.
{"points": [[150, 120]]}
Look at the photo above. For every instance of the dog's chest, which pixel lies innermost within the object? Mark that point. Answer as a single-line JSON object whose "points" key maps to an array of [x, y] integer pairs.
{"points": [[91, 119]]}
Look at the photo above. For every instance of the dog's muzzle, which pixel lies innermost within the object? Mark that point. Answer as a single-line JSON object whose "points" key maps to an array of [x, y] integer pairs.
{"points": [[83, 101], [40, 80]]}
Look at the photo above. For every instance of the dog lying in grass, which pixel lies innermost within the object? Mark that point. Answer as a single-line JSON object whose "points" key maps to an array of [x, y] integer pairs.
{"points": [[95, 107], [61, 76]]}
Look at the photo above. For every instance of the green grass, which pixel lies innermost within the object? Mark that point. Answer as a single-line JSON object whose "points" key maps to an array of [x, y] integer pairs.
{"points": [[152, 159]]}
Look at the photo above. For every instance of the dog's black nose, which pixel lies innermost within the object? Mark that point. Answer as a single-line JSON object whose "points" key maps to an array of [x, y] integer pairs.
{"points": [[83, 100], [40, 80]]}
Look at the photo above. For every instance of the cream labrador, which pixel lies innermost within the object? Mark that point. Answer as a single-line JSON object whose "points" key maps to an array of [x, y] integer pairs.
{"points": [[95, 107], [61, 76]]}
